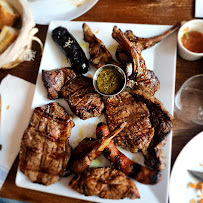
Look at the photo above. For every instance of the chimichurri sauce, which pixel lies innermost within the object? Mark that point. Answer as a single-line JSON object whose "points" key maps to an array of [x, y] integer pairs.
{"points": [[110, 81]]}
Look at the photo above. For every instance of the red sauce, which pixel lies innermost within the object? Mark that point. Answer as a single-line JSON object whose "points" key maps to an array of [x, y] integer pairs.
{"points": [[193, 41]]}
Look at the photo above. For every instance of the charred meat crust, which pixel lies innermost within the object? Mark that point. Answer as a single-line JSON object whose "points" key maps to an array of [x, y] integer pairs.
{"points": [[71, 49], [106, 183], [77, 90], [162, 122], [91, 152], [124, 164], [138, 133], [141, 77], [45, 150], [99, 54], [54, 80]]}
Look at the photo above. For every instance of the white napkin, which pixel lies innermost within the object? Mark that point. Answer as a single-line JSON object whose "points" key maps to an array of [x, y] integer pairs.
{"points": [[16, 100], [199, 9]]}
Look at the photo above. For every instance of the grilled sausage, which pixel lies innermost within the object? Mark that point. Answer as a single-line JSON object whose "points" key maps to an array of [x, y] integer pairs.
{"points": [[81, 164], [123, 163], [71, 49]]}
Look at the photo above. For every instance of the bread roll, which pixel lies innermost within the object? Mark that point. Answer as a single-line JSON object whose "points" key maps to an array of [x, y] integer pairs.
{"points": [[7, 37], [8, 15]]}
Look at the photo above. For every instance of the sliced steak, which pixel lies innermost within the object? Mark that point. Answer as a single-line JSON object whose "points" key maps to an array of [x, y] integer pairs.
{"points": [[106, 183], [77, 90], [45, 149], [138, 133], [54, 80], [162, 122], [82, 98]]}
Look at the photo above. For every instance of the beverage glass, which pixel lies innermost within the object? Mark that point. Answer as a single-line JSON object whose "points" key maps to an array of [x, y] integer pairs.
{"points": [[189, 101]]}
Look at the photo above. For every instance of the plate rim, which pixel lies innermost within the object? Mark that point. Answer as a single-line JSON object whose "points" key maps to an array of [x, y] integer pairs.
{"points": [[174, 75], [171, 196]]}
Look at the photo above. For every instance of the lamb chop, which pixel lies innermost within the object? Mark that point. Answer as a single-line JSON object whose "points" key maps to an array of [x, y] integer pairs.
{"points": [[105, 182], [77, 90], [138, 132], [141, 43], [141, 77], [99, 54], [161, 120], [83, 156], [45, 149]]}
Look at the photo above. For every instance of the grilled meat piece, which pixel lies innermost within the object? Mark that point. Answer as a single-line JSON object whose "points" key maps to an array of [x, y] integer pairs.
{"points": [[124, 164], [138, 132], [140, 77], [77, 90], [161, 120], [129, 51], [71, 49], [147, 82], [54, 80], [45, 149], [99, 54], [145, 43], [106, 183], [82, 161], [82, 98]]}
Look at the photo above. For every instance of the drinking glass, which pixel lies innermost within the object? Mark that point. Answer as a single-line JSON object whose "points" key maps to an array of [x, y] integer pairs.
{"points": [[189, 100]]}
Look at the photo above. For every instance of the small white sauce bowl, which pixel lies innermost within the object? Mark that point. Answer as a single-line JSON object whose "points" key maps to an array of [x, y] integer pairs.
{"points": [[192, 25]]}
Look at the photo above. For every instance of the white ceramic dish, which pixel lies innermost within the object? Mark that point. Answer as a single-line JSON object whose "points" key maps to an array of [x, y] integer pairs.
{"points": [[45, 11], [192, 25], [189, 158], [161, 58]]}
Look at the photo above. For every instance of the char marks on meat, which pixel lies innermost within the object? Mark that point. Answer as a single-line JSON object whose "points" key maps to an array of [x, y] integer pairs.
{"points": [[128, 52], [45, 149], [161, 120], [54, 80], [99, 54], [138, 132], [82, 98], [106, 183], [82, 161], [77, 90]]}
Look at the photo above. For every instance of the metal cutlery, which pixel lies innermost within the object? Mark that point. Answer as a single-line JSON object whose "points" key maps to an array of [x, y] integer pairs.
{"points": [[196, 174]]}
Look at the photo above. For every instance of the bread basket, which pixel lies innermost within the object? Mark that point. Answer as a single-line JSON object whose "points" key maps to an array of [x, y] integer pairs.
{"points": [[20, 49]]}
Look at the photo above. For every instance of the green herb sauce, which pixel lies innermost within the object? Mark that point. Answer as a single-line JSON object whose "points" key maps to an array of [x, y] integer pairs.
{"points": [[110, 81]]}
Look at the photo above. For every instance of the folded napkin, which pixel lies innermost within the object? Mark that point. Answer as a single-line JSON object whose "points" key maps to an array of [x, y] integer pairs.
{"points": [[16, 100], [199, 8]]}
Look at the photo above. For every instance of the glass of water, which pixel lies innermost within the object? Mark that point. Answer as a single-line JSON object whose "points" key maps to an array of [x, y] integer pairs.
{"points": [[189, 100]]}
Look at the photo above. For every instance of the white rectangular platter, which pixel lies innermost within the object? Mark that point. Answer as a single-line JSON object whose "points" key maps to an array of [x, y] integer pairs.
{"points": [[161, 58]]}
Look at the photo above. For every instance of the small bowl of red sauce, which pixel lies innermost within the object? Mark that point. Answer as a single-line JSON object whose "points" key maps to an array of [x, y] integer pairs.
{"points": [[190, 40]]}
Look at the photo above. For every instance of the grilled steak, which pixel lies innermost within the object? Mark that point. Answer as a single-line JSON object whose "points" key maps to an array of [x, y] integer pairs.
{"points": [[45, 149], [54, 80], [106, 183], [138, 132], [99, 54], [82, 98], [77, 90], [161, 120]]}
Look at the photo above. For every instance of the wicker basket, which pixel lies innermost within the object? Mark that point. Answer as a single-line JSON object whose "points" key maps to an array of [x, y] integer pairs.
{"points": [[20, 50]]}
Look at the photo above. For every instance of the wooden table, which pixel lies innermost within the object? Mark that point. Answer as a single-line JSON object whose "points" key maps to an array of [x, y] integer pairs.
{"points": [[166, 12]]}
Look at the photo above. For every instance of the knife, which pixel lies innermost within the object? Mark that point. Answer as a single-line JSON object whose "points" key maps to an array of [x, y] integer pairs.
{"points": [[196, 174]]}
